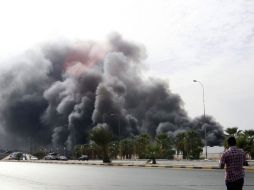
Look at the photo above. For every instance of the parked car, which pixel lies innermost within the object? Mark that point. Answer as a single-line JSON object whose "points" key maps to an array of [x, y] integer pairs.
{"points": [[33, 157], [51, 156], [17, 156], [62, 158], [83, 157]]}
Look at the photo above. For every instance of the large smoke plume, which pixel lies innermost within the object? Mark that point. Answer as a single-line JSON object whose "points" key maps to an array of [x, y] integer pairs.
{"points": [[57, 93]]}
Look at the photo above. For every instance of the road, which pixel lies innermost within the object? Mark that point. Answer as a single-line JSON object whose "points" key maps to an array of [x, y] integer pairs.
{"points": [[38, 176]]}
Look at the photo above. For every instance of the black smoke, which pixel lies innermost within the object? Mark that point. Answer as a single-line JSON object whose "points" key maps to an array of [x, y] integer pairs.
{"points": [[54, 95], [214, 131]]}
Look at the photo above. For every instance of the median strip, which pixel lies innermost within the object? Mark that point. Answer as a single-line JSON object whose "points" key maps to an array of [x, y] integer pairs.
{"points": [[158, 165]]}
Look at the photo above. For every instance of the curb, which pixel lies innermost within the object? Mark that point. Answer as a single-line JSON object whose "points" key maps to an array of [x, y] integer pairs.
{"points": [[190, 167]]}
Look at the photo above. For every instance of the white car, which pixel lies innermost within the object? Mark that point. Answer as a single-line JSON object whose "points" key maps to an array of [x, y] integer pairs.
{"points": [[33, 158], [62, 158], [51, 156]]}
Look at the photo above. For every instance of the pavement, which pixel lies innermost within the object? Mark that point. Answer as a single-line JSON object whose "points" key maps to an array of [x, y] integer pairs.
{"points": [[181, 164]]}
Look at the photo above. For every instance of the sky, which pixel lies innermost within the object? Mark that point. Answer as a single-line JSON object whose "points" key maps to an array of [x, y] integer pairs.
{"points": [[211, 41]]}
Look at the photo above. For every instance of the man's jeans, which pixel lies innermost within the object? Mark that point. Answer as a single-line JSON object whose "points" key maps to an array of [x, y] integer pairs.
{"points": [[235, 185]]}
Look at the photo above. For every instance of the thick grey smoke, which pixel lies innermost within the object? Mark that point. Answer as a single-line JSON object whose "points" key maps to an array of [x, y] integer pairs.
{"points": [[214, 131], [56, 94]]}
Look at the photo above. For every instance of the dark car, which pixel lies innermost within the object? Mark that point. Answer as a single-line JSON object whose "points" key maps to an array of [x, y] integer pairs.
{"points": [[83, 157]]}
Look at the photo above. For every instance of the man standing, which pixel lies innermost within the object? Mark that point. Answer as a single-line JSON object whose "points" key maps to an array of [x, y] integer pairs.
{"points": [[234, 159]]}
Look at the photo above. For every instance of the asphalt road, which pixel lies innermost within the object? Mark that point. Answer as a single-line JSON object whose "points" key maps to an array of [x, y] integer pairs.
{"points": [[37, 176]]}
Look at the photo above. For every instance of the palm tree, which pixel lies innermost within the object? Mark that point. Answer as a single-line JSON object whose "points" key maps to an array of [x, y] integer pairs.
{"points": [[193, 145], [189, 143], [249, 142], [232, 131], [127, 148], [102, 136], [152, 152], [114, 149], [179, 144], [165, 146], [141, 144], [249, 133]]}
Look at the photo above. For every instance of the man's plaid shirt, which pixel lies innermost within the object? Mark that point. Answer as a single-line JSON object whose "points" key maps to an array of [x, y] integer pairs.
{"points": [[234, 159]]}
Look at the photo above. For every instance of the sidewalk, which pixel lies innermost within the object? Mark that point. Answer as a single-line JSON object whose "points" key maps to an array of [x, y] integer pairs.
{"points": [[187, 164]]}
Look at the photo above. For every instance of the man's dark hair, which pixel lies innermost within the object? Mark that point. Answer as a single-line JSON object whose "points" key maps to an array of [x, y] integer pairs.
{"points": [[231, 141]]}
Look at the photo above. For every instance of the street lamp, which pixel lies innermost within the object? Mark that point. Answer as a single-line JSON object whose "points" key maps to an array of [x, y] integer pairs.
{"points": [[204, 114]]}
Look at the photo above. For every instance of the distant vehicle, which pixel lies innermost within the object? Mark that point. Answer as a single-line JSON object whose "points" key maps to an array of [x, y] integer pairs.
{"points": [[51, 156], [64, 158], [16, 156], [33, 158], [83, 157]]}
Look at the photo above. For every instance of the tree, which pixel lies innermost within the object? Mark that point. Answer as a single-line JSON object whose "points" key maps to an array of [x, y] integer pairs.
{"points": [[102, 137], [244, 139], [250, 136], [179, 144], [114, 149], [165, 146], [190, 144], [85, 149], [40, 154], [233, 131], [152, 152], [242, 142], [193, 145], [141, 144], [78, 151], [249, 133], [127, 148]]}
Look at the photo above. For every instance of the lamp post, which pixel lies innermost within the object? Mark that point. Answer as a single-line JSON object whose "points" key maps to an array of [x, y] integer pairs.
{"points": [[204, 114]]}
